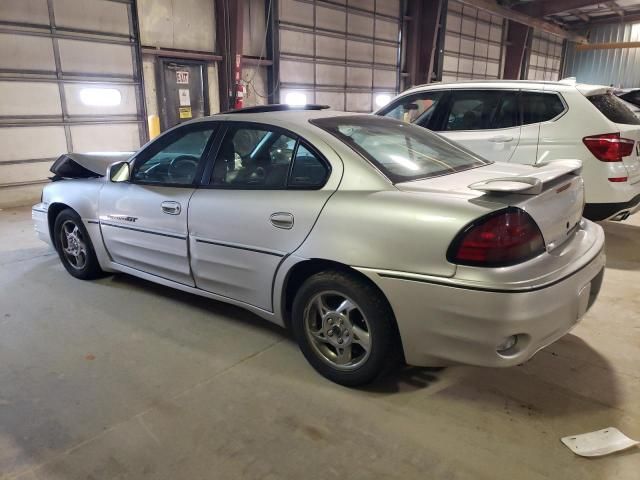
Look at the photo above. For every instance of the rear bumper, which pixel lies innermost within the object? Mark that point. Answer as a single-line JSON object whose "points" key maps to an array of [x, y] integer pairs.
{"points": [[442, 324], [604, 211]]}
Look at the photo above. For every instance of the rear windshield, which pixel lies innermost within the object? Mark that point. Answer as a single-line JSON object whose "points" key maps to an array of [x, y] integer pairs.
{"points": [[400, 150], [613, 108]]}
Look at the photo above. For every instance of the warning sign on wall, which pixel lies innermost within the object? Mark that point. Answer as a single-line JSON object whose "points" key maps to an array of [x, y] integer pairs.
{"points": [[185, 100], [182, 77], [185, 112]]}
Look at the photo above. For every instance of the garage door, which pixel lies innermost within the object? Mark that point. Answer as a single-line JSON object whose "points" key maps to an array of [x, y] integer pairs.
{"points": [[472, 45], [345, 56], [69, 81], [545, 57]]}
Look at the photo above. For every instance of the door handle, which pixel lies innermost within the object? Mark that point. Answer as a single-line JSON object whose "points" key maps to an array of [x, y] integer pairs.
{"points": [[171, 208], [282, 220], [501, 139]]}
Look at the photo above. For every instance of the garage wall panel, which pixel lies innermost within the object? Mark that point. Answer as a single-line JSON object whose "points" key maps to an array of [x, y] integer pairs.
{"points": [[25, 11], [473, 44], [25, 52], [94, 15], [96, 58], [332, 51], [105, 138], [18, 99], [27, 143], [25, 173]]}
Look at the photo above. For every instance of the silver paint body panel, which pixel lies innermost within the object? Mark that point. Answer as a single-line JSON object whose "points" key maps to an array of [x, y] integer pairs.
{"points": [[223, 245]]}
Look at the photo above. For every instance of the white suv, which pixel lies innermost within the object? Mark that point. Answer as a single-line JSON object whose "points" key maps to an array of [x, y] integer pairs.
{"points": [[538, 122]]}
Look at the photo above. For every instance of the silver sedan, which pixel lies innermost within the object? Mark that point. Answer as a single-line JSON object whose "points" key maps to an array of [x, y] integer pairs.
{"points": [[372, 239]]}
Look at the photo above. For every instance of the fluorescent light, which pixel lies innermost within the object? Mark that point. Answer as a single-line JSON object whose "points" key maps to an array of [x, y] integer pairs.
{"points": [[295, 98], [100, 97], [382, 99]]}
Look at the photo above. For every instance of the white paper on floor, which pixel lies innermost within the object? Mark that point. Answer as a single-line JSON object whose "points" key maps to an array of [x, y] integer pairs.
{"points": [[601, 442]]}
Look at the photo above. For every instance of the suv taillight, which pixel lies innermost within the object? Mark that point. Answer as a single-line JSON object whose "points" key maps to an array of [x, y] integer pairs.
{"points": [[609, 147], [500, 239]]}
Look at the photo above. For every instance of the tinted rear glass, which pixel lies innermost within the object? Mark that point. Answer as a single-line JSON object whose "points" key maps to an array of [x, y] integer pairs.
{"points": [[612, 108], [632, 97], [400, 150]]}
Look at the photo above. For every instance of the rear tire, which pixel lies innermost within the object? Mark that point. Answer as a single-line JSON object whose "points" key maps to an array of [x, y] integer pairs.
{"points": [[344, 327], [74, 246]]}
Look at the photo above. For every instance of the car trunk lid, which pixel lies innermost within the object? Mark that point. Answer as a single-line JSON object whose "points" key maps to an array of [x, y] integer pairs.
{"points": [[632, 162], [553, 194]]}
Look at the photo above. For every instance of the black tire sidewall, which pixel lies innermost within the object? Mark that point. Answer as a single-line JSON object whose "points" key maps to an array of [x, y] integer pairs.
{"points": [[379, 318], [92, 268]]}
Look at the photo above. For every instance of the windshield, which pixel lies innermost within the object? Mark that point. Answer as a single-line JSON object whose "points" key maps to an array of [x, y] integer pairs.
{"points": [[401, 151]]}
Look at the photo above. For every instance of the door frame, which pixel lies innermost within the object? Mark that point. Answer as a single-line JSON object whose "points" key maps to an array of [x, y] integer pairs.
{"points": [[161, 87]]}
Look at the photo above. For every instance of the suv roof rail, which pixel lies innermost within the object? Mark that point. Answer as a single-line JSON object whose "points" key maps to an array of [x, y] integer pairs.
{"points": [[278, 107]]}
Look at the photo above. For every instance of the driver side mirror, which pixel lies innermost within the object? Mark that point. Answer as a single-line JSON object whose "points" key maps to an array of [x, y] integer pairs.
{"points": [[119, 172]]}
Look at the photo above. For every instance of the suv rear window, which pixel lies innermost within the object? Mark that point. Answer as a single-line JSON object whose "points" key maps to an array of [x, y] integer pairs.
{"points": [[401, 151], [612, 108]]}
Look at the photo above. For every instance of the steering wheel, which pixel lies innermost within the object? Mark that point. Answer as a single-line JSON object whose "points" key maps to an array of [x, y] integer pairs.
{"points": [[183, 166]]}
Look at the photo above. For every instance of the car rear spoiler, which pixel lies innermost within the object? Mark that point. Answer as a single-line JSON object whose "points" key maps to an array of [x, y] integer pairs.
{"points": [[533, 183], [85, 165]]}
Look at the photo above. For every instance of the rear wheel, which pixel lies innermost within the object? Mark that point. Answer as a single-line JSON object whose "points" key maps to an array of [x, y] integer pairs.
{"points": [[74, 246], [344, 327]]}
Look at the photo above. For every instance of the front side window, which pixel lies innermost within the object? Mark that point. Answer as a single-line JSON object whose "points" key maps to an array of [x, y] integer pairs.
{"points": [[540, 107], [613, 108], [417, 108], [253, 158], [401, 151], [481, 110], [175, 159]]}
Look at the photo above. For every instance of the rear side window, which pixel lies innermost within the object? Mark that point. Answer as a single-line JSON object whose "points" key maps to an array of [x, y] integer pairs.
{"points": [[417, 108], [308, 171], [482, 110], [540, 107], [632, 97], [399, 150], [612, 108]]}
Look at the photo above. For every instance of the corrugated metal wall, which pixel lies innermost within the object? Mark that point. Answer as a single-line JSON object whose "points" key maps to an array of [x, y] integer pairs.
{"points": [[619, 67]]}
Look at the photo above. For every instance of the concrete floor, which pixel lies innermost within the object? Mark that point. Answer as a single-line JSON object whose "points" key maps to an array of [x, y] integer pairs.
{"points": [[121, 378]]}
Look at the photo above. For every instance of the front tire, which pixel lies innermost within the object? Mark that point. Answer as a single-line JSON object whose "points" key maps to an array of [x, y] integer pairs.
{"points": [[344, 327], [74, 246]]}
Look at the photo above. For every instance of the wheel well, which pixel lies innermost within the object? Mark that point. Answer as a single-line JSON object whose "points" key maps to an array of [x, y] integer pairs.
{"points": [[303, 270], [52, 213]]}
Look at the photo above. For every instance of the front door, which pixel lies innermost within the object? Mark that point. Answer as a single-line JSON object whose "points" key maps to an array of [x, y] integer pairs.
{"points": [[144, 220], [484, 121], [266, 191], [182, 92]]}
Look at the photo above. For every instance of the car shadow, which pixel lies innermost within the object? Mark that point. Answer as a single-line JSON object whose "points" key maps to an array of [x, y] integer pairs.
{"points": [[622, 245], [567, 378]]}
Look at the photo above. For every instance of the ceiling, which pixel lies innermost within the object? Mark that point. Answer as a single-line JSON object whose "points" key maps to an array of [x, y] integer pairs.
{"points": [[578, 13]]}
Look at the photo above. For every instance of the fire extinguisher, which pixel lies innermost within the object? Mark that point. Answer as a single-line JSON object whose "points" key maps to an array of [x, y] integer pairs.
{"points": [[239, 96]]}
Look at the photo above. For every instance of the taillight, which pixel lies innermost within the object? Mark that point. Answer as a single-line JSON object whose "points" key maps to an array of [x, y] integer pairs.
{"points": [[500, 239], [609, 147]]}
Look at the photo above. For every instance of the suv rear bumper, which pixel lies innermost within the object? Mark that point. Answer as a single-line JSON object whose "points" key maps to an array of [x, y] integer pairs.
{"points": [[604, 211]]}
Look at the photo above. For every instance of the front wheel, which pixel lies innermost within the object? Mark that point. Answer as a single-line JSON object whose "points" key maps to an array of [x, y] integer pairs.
{"points": [[344, 327], [74, 246]]}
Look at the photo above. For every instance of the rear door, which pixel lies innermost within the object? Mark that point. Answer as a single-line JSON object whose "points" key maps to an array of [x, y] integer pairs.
{"points": [[485, 121], [266, 191], [627, 123]]}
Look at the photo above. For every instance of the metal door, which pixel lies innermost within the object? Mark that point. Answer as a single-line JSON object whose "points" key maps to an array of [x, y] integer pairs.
{"points": [[183, 92]]}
